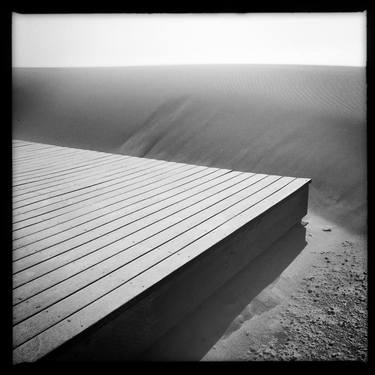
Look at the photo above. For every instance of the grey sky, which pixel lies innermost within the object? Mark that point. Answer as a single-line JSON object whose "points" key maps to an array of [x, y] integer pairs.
{"points": [[125, 40]]}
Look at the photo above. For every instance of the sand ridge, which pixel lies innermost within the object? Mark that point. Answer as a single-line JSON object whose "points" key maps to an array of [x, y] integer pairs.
{"points": [[300, 121]]}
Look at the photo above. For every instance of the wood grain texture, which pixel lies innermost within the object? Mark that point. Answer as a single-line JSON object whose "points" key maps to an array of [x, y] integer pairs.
{"points": [[93, 231]]}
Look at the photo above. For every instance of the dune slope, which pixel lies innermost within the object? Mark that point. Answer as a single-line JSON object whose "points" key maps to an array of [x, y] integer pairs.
{"points": [[303, 121]]}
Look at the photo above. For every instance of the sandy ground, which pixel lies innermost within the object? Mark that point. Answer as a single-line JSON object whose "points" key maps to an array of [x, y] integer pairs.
{"points": [[305, 297], [315, 310]]}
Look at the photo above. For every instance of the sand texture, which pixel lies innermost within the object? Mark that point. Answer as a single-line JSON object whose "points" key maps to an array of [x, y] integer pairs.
{"points": [[301, 121]]}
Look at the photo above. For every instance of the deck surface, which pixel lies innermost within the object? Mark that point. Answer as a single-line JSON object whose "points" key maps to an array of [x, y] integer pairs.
{"points": [[93, 230]]}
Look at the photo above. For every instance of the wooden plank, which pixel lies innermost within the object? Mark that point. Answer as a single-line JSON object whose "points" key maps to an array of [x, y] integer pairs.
{"points": [[103, 229], [142, 237], [60, 208], [156, 180], [130, 330], [105, 169], [125, 273], [32, 146], [91, 242], [45, 163], [101, 173], [167, 174], [124, 209], [99, 166], [17, 142], [62, 274], [109, 206], [137, 236], [35, 185], [30, 143], [39, 168], [136, 261], [60, 171], [43, 156], [37, 205], [18, 145]]}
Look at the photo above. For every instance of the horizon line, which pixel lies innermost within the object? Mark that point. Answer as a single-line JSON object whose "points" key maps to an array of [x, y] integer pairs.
{"points": [[183, 64]]}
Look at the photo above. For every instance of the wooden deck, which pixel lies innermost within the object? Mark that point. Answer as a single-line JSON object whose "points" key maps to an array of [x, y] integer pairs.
{"points": [[92, 231]]}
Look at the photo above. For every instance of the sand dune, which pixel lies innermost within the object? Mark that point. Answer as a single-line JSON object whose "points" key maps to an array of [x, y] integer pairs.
{"points": [[302, 121]]}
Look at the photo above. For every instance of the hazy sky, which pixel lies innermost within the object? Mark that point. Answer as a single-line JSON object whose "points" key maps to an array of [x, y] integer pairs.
{"points": [[125, 39]]}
